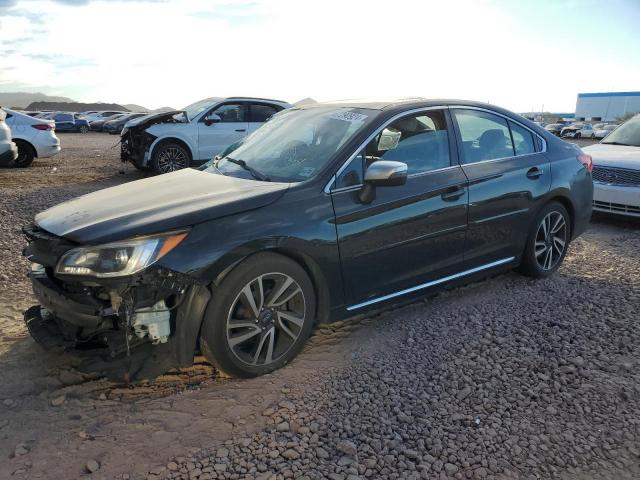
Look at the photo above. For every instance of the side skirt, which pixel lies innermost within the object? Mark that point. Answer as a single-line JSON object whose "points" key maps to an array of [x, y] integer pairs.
{"points": [[431, 283]]}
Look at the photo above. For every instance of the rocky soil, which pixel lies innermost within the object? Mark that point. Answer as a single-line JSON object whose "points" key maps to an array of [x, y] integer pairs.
{"points": [[503, 379], [510, 378]]}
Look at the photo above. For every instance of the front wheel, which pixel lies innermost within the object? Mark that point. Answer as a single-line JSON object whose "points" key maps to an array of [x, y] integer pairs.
{"points": [[259, 317], [170, 157], [577, 135], [84, 129], [547, 242]]}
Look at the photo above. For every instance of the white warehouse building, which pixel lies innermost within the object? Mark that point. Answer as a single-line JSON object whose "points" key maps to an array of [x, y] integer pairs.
{"points": [[606, 106]]}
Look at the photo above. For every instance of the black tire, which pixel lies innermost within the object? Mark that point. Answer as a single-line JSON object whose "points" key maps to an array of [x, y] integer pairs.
{"points": [[536, 264], [169, 157], [577, 135], [83, 129], [26, 154], [228, 304]]}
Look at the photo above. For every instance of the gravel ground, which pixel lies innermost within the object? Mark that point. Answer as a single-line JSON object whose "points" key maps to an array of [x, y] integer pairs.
{"points": [[506, 378], [510, 378]]}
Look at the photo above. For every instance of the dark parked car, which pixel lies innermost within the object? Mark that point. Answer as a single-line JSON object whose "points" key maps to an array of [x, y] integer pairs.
{"points": [[327, 211], [114, 127], [97, 125], [70, 122]]}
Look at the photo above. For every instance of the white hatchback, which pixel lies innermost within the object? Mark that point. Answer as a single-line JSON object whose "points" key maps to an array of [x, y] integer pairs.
{"points": [[616, 170], [34, 137]]}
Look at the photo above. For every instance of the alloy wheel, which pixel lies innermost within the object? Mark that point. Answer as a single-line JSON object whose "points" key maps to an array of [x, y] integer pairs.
{"points": [[172, 159], [265, 319], [551, 240]]}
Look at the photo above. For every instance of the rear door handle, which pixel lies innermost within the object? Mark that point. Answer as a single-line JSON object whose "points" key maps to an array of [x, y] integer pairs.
{"points": [[534, 173], [453, 193], [241, 130]]}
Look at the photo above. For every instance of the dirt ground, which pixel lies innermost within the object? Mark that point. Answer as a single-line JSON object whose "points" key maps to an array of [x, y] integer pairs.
{"points": [[56, 422]]}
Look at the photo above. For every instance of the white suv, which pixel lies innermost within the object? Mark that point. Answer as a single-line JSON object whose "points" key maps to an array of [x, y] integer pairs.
{"points": [[174, 140], [34, 137]]}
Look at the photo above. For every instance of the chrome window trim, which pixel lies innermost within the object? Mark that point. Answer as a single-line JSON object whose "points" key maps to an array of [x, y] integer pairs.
{"points": [[327, 188], [509, 119], [431, 283]]}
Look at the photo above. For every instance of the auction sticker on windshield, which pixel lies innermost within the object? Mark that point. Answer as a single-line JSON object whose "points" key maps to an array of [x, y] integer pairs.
{"points": [[348, 116]]}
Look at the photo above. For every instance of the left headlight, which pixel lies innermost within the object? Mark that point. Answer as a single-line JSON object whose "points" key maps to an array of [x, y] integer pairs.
{"points": [[118, 259]]}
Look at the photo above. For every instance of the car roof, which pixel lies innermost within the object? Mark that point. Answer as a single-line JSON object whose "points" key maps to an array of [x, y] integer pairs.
{"points": [[257, 99], [402, 104]]}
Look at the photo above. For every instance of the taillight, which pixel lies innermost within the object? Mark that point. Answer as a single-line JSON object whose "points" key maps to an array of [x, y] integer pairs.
{"points": [[42, 126], [586, 160]]}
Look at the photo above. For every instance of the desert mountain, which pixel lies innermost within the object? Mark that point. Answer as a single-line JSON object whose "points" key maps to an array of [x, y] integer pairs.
{"points": [[23, 99]]}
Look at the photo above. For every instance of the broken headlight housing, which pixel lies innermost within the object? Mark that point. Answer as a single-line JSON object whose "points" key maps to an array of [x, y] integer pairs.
{"points": [[118, 259]]}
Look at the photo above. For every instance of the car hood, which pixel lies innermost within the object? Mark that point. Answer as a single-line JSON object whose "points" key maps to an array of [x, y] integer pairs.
{"points": [[151, 119], [620, 156], [153, 205]]}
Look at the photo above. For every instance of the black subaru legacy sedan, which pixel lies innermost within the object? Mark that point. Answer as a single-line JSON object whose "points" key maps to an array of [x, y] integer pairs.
{"points": [[326, 211]]}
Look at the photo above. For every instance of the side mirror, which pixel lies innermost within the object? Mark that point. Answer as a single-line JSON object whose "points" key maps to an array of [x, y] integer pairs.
{"points": [[211, 119], [383, 173], [386, 173]]}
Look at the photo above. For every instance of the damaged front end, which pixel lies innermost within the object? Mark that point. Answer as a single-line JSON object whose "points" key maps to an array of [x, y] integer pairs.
{"points": [[135, 141], [127, 326]]}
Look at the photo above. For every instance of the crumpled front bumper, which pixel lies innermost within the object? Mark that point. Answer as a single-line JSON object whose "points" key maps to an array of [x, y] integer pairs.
{"points": [[54, 299]]}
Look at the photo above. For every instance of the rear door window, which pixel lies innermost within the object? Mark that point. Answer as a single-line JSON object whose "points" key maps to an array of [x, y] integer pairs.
{"points": [[485, 136]]}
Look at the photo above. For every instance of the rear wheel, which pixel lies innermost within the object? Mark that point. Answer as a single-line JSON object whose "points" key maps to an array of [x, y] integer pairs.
{"points": [[26, 154], [259, 317], [169, 157], [548, 242]]}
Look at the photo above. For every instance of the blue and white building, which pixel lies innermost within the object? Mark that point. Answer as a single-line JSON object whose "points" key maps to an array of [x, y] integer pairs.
{"points": [[606, 106]]}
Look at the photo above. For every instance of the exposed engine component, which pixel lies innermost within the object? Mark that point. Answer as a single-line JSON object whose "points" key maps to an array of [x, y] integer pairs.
{"points": [[153, 322]]}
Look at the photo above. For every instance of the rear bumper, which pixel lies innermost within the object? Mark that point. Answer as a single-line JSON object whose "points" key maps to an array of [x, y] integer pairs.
{"points": [[616, 199], [49, 150]]}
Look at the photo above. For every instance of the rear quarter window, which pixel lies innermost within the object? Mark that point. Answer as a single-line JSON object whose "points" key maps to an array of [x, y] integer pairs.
{"points": [[523, 139]]}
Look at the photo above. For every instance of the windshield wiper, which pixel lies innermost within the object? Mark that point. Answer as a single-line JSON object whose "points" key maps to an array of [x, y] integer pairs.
{"points": [[619, 143], [255, 173]]}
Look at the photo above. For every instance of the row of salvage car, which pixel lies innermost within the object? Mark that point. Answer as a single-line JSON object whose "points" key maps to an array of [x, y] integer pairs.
{"points": [[174, 140], [169, 141]]}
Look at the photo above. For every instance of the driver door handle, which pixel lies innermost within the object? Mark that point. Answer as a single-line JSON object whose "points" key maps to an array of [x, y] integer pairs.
{"points": [[534, 173], [453, 193], [241, 130]]}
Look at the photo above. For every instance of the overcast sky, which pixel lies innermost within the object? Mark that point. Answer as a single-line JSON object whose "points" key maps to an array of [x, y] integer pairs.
{"points": [[517, 54]]}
